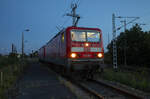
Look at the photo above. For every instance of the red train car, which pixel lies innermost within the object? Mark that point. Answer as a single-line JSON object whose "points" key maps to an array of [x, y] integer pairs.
{"points": [[75, 49]]}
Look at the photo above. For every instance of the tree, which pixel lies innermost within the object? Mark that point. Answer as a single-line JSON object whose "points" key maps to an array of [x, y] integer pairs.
{"points": [[137, 46]]}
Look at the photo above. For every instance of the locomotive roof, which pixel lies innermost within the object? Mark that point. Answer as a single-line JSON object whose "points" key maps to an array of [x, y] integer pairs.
{"points": [[83, 28], [56, 35], [71, 27]]}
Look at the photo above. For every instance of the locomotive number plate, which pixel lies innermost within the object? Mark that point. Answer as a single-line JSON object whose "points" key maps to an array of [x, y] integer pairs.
{"points": [[86, 55]]}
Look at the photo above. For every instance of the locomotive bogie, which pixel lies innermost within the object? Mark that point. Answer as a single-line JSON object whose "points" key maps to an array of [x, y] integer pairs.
{"points": [[84, 64]]}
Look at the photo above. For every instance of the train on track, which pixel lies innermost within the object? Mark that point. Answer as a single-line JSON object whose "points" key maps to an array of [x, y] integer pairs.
{"points": [[75, 50]]}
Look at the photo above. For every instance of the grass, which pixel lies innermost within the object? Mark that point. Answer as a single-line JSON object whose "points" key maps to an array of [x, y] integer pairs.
{"points": [[11, 68], [7, 60], [137, 80]]}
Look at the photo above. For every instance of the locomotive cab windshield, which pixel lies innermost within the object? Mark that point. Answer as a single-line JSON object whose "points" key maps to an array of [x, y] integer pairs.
{"points": [[85, 36]]}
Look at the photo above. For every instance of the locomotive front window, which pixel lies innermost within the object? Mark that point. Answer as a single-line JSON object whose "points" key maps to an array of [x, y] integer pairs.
{"points": [[85, 35], [78, 36], [93, 36]]}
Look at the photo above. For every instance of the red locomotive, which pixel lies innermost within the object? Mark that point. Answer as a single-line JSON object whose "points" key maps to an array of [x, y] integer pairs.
{"points": [[75, 49]]}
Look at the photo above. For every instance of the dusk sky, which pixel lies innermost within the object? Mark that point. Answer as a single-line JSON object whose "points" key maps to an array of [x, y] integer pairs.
{"points": [[42, 17]]}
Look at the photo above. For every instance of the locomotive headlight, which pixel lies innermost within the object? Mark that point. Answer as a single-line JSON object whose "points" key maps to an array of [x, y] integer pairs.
{"points": [[100, 55], [86, 44], [73, 55]]}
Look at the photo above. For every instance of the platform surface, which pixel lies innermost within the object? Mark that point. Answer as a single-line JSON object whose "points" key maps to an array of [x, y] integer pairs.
{"points": [[41, 83]]}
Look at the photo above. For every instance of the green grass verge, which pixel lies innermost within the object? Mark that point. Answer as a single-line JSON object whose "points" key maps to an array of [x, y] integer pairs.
{"points": [[11, 69], [136, 80]]}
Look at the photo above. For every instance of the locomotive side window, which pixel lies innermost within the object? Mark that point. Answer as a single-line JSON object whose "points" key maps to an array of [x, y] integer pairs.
{"points": [[93, 36], [78, 36], [62, 37]]}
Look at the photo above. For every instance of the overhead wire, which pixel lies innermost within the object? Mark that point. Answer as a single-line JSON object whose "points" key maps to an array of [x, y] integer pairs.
{"points": [[66, 21], [67, 8], [144, 21], [78, 2]]}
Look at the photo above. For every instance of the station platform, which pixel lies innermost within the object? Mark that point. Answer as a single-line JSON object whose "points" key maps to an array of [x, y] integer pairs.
{"points": [[39, 82]]}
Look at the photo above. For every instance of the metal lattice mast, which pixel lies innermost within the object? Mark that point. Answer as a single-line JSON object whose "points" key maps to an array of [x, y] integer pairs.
{"points": [[114, 37], [114, 43]]}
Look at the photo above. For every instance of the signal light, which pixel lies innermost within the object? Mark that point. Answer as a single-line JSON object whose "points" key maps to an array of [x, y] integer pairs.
{"points": [[73, 55], [100, 55]]}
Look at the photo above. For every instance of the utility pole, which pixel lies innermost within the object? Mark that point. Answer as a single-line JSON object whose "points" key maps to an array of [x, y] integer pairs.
{"points": [[23, 42], [12, 48], [75, 17], [108, 38], [125, 42]]}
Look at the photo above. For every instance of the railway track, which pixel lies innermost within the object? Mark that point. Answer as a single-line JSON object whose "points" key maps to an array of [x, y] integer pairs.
{"points": [[107, 91], [99, 90]]}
